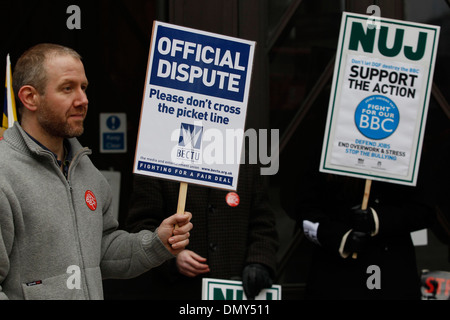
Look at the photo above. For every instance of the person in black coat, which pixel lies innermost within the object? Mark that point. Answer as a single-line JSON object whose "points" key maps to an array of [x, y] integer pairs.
{"points": [[229, 241], [327, 208], [362, 254], [366, 254]]}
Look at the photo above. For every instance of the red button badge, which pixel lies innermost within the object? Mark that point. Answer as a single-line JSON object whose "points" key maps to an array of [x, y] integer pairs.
{"points": [[232, 199], [91, 201]]}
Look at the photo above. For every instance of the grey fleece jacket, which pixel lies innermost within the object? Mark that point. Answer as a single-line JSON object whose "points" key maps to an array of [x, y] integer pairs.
{"points": [[58, 237]]}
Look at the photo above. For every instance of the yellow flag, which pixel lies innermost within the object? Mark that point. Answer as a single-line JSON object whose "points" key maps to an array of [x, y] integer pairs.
{"points": [[9, 107]]}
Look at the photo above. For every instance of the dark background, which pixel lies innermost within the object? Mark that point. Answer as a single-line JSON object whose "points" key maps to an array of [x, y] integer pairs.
{"points": [[296, 40]]}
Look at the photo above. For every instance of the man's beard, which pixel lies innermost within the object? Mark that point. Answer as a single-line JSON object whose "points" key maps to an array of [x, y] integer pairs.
{"points": [[57, 127]]}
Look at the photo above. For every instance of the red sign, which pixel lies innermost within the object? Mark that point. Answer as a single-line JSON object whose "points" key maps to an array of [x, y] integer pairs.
{"points": [[436, 285]]}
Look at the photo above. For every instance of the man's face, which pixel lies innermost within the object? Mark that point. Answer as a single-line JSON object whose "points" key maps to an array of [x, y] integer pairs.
{"points": [[64, 105]]}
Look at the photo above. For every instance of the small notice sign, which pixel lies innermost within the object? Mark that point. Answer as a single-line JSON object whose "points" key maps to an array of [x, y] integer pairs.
{"points": [[113, 132]]}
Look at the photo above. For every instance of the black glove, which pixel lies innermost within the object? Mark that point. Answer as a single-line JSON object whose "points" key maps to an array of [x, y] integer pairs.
{"points": [[255, 277], [356, 242], [362, 220]]}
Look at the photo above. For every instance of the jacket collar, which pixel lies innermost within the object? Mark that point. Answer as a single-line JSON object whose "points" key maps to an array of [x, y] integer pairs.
{"points": [[18, 138]]}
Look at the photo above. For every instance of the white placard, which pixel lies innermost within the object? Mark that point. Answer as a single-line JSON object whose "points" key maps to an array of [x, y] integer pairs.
{"points": [[379, 100], [194, 107]]}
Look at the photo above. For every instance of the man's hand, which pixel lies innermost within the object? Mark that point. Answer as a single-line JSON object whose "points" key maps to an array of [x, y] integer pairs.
{"points": [[175, 239], [191, 264]]}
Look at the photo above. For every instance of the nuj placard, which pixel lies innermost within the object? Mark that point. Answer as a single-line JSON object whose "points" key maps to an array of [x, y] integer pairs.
{"points": [[379, 99]]}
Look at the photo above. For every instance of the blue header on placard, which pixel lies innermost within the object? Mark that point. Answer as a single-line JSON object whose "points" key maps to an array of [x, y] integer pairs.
{"points": [[200, 63], [185, 173]]}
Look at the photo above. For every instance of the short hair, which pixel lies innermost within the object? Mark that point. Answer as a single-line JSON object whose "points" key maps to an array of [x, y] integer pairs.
{"points": [[30, 69]]}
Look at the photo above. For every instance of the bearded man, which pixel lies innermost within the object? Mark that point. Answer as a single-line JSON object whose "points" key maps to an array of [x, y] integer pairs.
{"points": [[58, 237]]}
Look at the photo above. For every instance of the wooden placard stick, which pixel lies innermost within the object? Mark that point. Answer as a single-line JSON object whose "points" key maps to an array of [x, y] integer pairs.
{"points": [[366, 194], [182, 198], [364, 203]]}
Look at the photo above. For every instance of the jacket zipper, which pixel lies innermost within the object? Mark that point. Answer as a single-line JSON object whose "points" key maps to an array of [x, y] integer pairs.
{"points": [[75, 160], [72, 165]]}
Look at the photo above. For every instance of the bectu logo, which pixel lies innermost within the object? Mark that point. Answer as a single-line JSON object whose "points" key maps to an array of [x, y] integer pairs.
{"points": [[190, 142]]}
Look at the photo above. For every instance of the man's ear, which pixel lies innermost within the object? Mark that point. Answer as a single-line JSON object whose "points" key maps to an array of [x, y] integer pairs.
{"points": [[29, 97]]}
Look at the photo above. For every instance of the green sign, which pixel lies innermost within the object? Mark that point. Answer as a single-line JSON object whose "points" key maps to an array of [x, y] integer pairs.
{"points": [[379, 100], [218, 289]]}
